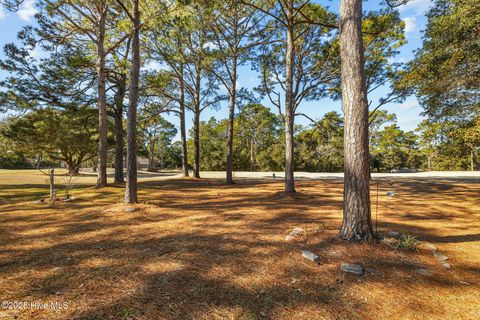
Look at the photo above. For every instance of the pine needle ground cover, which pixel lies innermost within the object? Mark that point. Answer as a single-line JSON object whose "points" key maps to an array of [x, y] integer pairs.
{"points": [[199, 249]]}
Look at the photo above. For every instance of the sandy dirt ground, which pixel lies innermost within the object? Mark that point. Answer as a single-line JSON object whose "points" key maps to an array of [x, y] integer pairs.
{"points": [[201, 249]]}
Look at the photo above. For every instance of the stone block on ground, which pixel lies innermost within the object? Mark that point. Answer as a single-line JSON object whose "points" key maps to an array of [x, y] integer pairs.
{"points": [[394, 234], [352, 268], [423, 272], [440, 256], [297, 231], [310, 255]]}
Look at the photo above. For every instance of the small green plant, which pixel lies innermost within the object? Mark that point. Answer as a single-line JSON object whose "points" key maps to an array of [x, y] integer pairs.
{"points": [[319, 228], [126, 313], [407, 243]]}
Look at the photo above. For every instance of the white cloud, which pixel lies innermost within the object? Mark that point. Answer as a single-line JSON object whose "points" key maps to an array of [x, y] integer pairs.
{"points": [[35, 52], [153, 66], [211, 46], [2, 14], [409, 105], [419, 7], [397, 59], [410, 122], [27, 10], [410, 24]]}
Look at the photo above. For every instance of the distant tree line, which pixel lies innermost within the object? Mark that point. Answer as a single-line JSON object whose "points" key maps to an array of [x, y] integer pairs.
{"points": [[258, 143]]}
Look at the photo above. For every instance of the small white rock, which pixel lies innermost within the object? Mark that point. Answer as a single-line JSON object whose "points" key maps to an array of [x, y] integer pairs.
{"points": [[440, 256], [352, 268], [394, 234], [289, 237], [423, 272], [297, 231], [310, 255]]}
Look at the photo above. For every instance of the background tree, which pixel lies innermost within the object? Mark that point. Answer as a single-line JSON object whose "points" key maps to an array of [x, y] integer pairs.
{"points": [[235, 32], [62, 136], [444, 73], [184, 47], [63, 80], [445, 77], [117, 75], [213, 134], [393, 148], [11, 5], [300, 66], [89, 19], [155, 131], [167, 45], [135, 63], [258, 133], [320, 146]]}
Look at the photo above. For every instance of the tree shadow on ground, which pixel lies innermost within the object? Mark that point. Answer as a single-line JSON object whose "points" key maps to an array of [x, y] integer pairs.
{"points": [[205, 250]]}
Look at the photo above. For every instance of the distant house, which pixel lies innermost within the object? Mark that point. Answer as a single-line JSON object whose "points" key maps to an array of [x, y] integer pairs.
{"points": [[142, 163]]}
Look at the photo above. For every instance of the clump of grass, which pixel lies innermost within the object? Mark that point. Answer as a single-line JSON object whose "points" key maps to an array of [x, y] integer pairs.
{"points": [[126, 313], [319, 228], [407, 243]]}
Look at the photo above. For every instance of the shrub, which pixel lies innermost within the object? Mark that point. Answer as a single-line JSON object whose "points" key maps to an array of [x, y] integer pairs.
{"points": [[407, 243]]}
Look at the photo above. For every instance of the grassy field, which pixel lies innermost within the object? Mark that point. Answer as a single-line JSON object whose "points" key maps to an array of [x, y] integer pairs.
{"points": [[199, 249]]}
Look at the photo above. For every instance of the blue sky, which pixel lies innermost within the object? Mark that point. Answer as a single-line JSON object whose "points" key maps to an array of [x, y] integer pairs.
{"points": [[408, 112]]}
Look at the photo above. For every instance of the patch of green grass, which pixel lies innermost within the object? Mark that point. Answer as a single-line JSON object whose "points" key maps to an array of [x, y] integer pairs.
{"points": [[126, 313], [407, 243]]}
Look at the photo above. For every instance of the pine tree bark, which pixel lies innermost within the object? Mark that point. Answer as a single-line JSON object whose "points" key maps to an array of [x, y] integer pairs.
{"points": [[472, 160], [102, 104], [51, 175], [131, 184], [151, 158], [231, 120], [289, 105], [357, 225], [183, 129], [119, 140], [196, 142], [196, 124]]}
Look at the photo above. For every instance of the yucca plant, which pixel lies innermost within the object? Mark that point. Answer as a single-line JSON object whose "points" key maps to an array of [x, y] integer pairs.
{"points": [[407, 243]]}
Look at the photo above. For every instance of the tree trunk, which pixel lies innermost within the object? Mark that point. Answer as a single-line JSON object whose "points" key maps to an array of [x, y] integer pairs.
{"points": [[472, 162], [231, 120], [118, 117], [357, 225], [119, 150], [51, 176], [196, 142], [38, 165], [151, 160], [102, 105], [196, 125], [183, 130], [289, 106], [74, 169], [131, 185], [252, 155]]}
